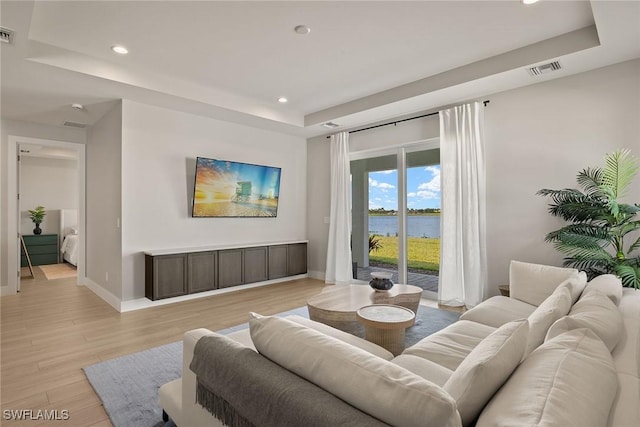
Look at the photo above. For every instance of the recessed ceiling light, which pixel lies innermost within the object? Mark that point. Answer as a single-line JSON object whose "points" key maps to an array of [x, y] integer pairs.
{"points": [[77, 106], [283, 100], [302, 29], [330, 125], [120, 50], [529, 1]]}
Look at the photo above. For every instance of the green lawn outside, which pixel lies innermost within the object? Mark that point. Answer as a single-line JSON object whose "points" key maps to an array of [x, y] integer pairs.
{"points": [[423, 254]]}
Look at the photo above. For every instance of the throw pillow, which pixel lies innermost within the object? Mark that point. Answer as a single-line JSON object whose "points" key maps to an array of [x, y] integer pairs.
{"points": [[575, 284], [596, 312], [568, 381], [551, 309], [533, 283], [343, 336], [607, 284], [373, 385], [486, 368]]}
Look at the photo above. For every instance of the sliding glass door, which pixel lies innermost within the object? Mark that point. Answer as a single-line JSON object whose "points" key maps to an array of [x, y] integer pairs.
{"points": [[375, 215], [396, 214]]}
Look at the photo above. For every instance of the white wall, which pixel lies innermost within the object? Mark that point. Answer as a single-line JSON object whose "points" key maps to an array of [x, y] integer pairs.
{"points": [[104, 206], [159, 148], [538, 136], [541, 136], [52, 183], [31, 130]]}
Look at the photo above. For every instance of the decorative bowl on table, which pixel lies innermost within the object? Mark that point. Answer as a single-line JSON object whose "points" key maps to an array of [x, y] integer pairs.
{"points": [[381, 281]]}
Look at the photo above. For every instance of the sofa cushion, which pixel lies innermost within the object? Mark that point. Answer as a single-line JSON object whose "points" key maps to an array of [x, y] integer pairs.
{"points": [[369, 383], [343, 336], [596, 312], [486, 368], [449, 346], [575, 284], [498, 310], [568, 381], [424, 368], [551, 309], [533, 283], [607, 284], [626, 359]]}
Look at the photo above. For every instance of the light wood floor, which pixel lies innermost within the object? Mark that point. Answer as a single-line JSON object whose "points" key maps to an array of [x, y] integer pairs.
{"points": [[53, 328]]}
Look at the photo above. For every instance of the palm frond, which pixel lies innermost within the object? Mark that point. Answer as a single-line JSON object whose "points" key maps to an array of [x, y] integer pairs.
{"points": [[620, 169], [590, 180], [635, 245], [627, 226], [574, 206], [581, 229], [629, 275], [582, 240], [592, 267], [583, 252], [630, 210]]}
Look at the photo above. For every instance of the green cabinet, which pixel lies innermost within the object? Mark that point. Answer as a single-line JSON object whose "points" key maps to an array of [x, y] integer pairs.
{"points": [[42, 248]]}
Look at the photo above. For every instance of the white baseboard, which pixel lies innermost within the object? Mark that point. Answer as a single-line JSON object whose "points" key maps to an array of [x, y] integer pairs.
{"points": [[4, 290], [110, 298], [320, 275], [141, 303]]}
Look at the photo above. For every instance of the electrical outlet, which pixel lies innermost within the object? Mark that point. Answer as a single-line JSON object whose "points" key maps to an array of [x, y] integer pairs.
{"points": [[106, 276]]}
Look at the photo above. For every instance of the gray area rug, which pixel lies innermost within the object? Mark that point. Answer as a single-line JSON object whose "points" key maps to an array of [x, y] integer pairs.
{"points": [[128, 386]]}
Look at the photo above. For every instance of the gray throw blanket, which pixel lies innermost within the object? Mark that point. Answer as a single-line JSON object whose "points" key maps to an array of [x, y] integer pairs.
{"points": [[242, 388]]}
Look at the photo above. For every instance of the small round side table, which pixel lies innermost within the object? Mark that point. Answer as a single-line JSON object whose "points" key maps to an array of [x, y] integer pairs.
{"points": [[385, 324]]}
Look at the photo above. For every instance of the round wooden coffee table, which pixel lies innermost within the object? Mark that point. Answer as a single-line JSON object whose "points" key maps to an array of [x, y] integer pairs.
{"points": [[336, 305], [384, 324]]}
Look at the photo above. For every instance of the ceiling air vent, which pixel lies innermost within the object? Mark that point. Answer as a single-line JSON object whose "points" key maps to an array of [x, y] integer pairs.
{"points": [[75, 125], [330, 125], [6, 35], [544, 68]]}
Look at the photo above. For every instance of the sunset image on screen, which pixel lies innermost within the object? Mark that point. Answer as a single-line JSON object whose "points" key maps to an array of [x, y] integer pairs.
{"points": [[232, 189]]}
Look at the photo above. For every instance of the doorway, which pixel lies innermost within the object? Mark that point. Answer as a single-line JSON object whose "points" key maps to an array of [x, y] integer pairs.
{"points": [[396, 214], [15, 214]]}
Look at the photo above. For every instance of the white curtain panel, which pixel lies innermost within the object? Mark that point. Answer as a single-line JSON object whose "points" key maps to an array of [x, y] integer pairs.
{"points": [[463, 263], [339, 247]]}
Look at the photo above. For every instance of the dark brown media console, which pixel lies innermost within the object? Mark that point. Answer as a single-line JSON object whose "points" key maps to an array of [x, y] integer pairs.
{"points": [[178, 273]]}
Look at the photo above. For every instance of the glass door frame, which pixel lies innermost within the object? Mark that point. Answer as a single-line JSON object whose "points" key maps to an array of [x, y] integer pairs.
{"points": [[400, 151]]}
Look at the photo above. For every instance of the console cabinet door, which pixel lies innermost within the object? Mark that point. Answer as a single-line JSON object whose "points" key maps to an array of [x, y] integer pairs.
{"points": [[255, 264], [202, 271], [169, 276], [230, 268], [277, 261], [296, 259]]}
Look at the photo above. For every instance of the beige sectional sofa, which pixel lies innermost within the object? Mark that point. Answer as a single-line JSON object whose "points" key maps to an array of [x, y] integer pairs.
{"points": [[558, 352]]}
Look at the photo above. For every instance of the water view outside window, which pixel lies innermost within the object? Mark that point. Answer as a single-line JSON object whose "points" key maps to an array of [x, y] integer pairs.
{"points": [[423, 218]]}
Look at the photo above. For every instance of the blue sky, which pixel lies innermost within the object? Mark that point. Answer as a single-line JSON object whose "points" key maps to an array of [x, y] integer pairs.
{"points": [[423, 188]]}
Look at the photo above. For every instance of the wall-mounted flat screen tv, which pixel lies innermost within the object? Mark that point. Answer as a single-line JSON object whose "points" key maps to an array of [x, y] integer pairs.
{"points": [[233, 189]]}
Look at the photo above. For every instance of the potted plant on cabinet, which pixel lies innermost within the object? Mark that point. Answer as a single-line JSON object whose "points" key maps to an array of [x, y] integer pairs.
{"points": [[37, 215]]}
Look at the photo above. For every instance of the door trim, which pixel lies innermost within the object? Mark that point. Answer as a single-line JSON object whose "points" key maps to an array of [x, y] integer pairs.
{"points": [[13, 248]]}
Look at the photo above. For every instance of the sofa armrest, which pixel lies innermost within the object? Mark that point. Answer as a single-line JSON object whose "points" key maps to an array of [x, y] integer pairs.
{"points": [[193, 415]]}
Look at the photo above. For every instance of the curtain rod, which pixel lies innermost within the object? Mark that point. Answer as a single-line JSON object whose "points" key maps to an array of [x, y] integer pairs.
{"points": [[400, 121]]}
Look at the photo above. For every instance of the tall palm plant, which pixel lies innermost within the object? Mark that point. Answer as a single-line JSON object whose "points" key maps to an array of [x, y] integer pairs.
{"points": [[594, 241]]}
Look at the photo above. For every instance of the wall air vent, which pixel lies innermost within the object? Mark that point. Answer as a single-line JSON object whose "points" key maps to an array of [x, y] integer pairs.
{"points": [[544, 68], [6, 35], [75, 125]]}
